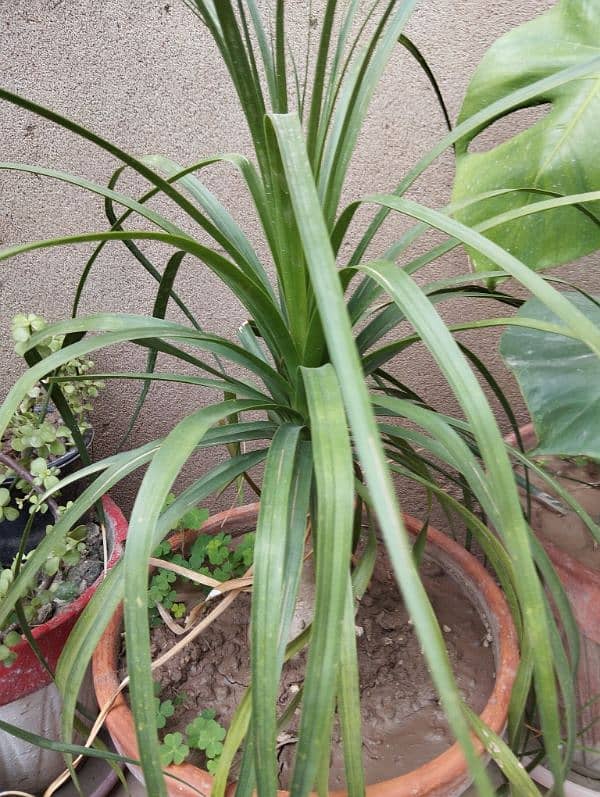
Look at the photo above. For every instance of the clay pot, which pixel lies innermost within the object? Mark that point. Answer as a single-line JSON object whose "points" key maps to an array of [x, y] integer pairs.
{"points": [[30, 700], [582, 585], [444, 776]]}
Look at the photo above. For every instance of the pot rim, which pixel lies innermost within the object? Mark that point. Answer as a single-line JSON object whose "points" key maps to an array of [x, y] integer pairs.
{"points": [[442, 776]]}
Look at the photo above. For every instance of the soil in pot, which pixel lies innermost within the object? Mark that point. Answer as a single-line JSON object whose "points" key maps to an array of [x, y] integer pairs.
{"points": [[403, 723], [71, 581]]}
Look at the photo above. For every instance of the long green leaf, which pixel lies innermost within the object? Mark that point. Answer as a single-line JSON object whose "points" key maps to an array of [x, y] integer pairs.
{"points": [[269, 579], [314, 118], [575, 320], [264, 312], [368, 291], [499, 751], [234, 386], [344, 356], [349, 701], [151, 496], [122, 327], [510, 523], [167, 188], [96, 188], [250, 177], [353, 106], [332, 528], [265, 51], [412, 48], [244, 254], [159, 310], [449, 446]]}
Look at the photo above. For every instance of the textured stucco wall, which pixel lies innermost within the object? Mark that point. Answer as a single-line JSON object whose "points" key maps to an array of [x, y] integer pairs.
{"points": [[146, 75]]}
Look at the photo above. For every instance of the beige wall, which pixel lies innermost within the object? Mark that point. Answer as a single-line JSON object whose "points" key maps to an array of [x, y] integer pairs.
{"points": [[146, 75]]}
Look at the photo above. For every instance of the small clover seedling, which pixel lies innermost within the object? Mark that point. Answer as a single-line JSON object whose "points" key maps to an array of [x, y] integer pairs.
{"points": [[178, 610], [193, 518], [206, 734], [162, 549], [7, 512], [212, 764], [164, 710], [160, 589], [173, 750]]}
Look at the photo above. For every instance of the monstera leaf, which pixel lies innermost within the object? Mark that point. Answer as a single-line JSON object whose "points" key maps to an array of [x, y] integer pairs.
{"points": [[560, 381], [559, 153]]}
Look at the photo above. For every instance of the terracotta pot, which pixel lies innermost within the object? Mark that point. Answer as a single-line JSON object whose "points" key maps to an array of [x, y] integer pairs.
{"points": [[582, 585], [29, 699], [444, 776]]}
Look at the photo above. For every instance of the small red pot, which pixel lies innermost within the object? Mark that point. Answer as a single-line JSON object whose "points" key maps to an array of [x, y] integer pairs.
{"points": [[27, 674], [29, 699], [444, 776]]}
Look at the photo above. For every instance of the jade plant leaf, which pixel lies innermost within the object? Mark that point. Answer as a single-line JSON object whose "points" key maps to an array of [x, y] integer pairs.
{"points": [[560, 381], [556, 154]]}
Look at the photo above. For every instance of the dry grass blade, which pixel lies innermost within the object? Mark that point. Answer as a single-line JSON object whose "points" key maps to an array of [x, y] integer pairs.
{"points": [[206, 581]]}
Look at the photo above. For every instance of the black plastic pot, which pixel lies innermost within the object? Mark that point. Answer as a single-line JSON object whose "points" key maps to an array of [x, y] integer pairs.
{"points": [[11, 531]]}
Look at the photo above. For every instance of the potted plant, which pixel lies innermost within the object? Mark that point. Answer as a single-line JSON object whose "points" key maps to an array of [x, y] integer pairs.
{"points": [[32, 640], [37, 447], [314, 367]]}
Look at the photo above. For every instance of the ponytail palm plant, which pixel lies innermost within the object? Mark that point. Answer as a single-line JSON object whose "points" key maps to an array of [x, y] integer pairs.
{"points": [[325, 392]]}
